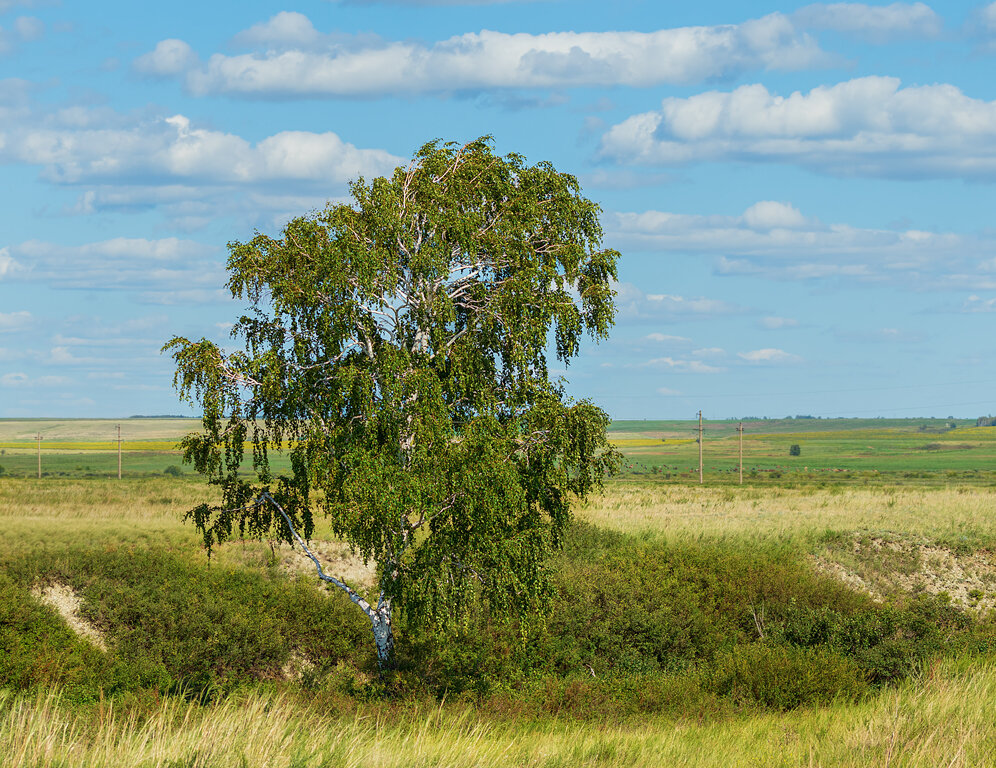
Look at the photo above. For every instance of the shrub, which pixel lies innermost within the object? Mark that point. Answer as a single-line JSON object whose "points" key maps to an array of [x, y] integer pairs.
{"points": [[795, 450], [173, 471], [784, 677]]}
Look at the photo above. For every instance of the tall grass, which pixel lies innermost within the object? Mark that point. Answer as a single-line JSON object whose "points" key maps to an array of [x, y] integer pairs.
{"points": [[948, 719], [960, 514]]}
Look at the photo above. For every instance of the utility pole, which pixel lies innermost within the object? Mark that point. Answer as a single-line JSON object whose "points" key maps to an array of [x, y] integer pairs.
{"points": [[119, 451], [740, 429], [38, 439], [701, 479]]}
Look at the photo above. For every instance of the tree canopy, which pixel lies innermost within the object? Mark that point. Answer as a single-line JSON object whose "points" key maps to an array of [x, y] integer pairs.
{"points": [[396, 348]]}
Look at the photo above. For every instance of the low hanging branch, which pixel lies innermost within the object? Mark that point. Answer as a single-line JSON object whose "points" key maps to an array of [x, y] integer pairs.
{"points": [[380, 617], [396, 349]]}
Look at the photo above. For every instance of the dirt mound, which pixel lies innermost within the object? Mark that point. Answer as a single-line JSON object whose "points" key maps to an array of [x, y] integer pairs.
{"points": [[886, 567]]}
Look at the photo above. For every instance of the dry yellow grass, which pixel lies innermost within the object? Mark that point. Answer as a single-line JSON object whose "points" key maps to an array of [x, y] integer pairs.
{"points": [[770, 512], [947, 720]]}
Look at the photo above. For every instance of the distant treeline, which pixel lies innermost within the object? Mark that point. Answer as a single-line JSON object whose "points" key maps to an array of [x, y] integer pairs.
{"points": [[986, 421], [163, 416]]}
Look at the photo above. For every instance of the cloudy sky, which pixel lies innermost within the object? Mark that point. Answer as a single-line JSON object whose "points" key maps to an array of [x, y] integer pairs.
{"points": [[803, 194]]}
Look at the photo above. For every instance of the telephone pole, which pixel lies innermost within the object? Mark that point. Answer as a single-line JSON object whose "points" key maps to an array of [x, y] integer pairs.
{"points": [[740, 429], [119, 451], [38, 439], [701, 479]]}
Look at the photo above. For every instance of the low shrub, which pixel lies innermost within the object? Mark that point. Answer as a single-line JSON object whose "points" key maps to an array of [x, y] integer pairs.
{"points": [[779, 677]]}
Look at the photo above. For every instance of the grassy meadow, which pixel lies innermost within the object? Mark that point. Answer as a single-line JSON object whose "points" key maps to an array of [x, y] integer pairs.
{"points": [[836, 609]]}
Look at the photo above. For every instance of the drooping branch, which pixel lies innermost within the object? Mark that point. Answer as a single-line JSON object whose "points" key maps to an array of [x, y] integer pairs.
{"points": [[350, 592]]}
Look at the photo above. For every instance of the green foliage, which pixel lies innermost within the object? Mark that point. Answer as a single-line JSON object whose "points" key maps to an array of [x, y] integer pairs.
{"points": [[171, 625], [38, 649], [784, 677], [173, 471], [398, 346], [755, 627], [795, 450]]}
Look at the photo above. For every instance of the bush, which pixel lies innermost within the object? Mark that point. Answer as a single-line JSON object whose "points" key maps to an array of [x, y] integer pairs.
{"points": [[2, 470], [173, 625], [173, 471], [784, 678], [795, 450]]}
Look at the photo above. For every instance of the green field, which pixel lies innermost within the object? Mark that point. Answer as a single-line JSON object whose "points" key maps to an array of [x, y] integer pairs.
{"points": [[838, 450], [807, 617]]}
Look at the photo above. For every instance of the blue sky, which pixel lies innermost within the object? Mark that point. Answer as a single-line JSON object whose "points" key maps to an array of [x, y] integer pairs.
{"points": [[802, 193]]}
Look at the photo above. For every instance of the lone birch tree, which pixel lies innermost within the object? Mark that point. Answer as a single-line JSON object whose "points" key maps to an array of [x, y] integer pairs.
{"points": [[397, 349]]}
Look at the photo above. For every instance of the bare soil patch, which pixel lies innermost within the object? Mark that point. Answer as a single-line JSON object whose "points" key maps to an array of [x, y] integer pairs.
{"points": [[884, 568], [64, 599]]}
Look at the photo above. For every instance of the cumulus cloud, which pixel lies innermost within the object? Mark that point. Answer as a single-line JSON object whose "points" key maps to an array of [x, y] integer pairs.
{"points": [[769, 355], [775, 240], [293, 59], [172, 148], [168, 58], [187, 173], [873, 22], [868, 126]]}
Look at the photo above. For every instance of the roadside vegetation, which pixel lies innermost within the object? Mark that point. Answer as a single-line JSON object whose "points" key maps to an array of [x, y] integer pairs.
{"points": [[780, 622]]}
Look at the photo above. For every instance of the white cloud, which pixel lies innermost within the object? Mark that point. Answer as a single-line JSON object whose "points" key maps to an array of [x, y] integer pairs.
{"points": [[633, 302], [7, 263], [25, 29], [682, 306], [171, 149], [680, 366], [769, 214], [29, 28], [806, 248], [20, 379], [873, 22], [168, 58], [6, 5], [295, 60], [664, 338], [285, 30], [769, 355], [189, 174], [12, 321], [868, 126], [159, 271], [976, 304], [776, 323]]}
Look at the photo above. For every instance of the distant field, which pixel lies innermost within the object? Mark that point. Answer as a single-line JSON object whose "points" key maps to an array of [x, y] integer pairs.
{"points": [[912, 451]]}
